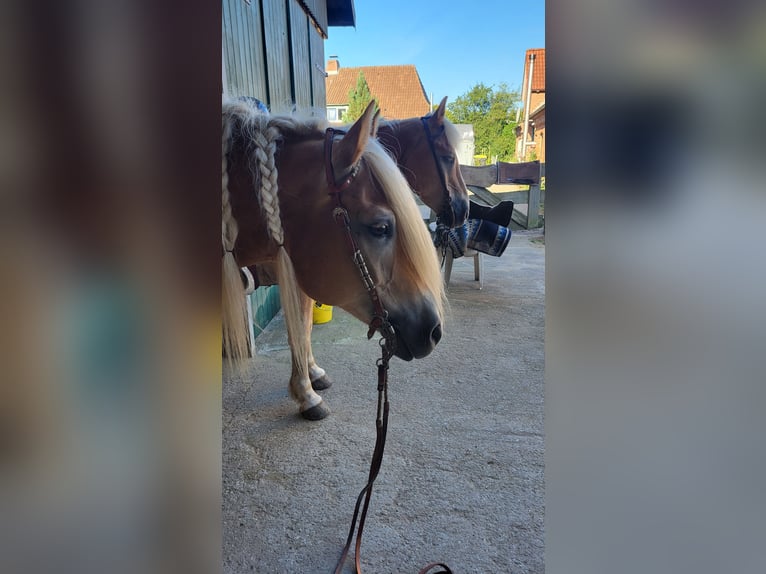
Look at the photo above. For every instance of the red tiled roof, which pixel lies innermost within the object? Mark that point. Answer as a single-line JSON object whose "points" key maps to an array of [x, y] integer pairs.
{"points": [[397, 89], [538, 71]]}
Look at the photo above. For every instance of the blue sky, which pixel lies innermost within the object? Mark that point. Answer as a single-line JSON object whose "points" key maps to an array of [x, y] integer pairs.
{"points": [[453, 44]]}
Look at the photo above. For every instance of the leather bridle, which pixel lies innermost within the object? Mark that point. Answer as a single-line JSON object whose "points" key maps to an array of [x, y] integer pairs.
{"points": [[442, 230], [430, 138], [379, 322]]}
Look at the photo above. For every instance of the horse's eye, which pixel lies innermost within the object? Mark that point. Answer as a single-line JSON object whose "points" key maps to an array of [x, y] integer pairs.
{"points": [[448, 159], [381, 229]]}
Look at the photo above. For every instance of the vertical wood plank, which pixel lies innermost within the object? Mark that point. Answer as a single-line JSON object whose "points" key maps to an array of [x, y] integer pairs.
{"points": [[319, 92], [301, 59], [277, 55], [248, 23], [243, 49], [320, 14], [229, 42], [256, 47], [246, 17]]}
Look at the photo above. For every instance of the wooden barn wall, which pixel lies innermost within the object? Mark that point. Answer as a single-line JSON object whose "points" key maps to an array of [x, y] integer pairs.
{"points": [[243, 53], [278, 54], [318, 10], [317, 70], [273, 51], [320, 14], [300, 29]]}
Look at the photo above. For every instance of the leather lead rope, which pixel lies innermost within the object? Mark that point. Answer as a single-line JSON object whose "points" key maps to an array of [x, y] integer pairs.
{"points": [[381, 427], [380, 323]]}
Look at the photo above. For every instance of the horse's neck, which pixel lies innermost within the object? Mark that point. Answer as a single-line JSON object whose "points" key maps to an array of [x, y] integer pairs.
{"points": [[391, 136]]}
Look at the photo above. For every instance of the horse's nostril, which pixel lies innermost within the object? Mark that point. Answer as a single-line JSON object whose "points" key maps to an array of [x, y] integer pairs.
{"points": [[436, 334]]}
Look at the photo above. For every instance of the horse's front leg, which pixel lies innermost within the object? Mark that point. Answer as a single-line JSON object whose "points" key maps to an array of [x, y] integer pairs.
{"points": [[311, 405], [319, 379]]}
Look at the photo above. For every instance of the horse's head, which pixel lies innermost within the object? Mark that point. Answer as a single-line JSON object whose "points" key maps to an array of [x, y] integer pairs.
{"points": [[384, 222], [425, 151]]}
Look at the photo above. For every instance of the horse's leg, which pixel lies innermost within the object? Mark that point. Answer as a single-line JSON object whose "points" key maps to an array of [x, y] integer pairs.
{"points": [[319, 379], [311, 405]]}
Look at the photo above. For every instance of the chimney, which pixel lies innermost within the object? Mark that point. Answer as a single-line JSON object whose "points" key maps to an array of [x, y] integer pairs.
{"points": [[333, 65]]}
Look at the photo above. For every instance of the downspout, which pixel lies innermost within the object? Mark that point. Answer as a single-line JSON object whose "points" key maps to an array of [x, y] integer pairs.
{"points": [[526, 108]]}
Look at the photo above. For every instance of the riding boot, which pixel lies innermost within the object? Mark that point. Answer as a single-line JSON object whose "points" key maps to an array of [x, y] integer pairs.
{"points": [[499, 214]]}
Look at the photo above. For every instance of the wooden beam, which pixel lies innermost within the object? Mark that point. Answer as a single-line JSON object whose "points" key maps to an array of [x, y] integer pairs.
{"points": [[533, 207], [487, 197], [483, 176], [523, 173]]}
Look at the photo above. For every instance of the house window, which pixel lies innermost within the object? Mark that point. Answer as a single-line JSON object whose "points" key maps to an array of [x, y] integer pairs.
{"points": [[336, 114]]}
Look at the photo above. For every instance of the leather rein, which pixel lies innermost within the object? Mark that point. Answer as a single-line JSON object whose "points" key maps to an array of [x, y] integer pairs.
{"points": [[379, 322]]}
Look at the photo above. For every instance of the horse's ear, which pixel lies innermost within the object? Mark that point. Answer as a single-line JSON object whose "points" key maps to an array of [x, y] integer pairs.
{"points": [[437, 118], [375, 122], [350, 148]]}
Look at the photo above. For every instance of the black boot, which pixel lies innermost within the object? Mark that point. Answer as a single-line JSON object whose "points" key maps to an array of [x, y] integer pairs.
{"points": [[499, 214]]}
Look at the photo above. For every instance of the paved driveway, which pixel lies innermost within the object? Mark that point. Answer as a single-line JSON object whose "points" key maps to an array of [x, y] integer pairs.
{"points": [[462, 479]]}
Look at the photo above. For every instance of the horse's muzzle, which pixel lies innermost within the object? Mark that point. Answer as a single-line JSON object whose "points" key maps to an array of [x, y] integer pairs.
{"points": [[455, 212], [416, 340]]}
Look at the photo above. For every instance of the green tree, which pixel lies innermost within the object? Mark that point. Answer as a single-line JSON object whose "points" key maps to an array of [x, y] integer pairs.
{"points": [[492, 111], [358, 99]]}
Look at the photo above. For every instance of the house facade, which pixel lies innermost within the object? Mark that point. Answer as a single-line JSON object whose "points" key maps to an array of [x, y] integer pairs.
{"points": [[397, 89], [530, 132]]}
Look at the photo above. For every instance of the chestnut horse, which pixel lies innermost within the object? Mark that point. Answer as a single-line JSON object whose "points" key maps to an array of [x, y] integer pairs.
{"points": [[283, 181], [424, 150]]}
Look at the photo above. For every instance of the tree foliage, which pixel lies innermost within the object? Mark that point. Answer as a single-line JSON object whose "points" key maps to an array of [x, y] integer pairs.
{"points": [[358, 99], [492, 111]]}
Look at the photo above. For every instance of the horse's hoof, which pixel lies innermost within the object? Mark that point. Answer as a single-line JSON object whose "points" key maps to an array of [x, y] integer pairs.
{"points": [[316, 413], [321, 383]]}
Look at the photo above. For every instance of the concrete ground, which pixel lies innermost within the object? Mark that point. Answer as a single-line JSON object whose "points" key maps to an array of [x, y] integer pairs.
{"points": [[462, 478]]}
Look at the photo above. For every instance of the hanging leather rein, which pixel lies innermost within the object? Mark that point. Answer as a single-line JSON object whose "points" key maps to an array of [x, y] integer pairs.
{"points": [[379, 322]]}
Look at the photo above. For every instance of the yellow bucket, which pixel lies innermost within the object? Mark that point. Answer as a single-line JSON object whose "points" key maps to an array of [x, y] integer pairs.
{"points": [[322, 313]]}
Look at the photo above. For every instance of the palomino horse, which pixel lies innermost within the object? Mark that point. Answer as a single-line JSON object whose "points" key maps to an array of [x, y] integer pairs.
{"points": [[424, 149], [286, 182]]}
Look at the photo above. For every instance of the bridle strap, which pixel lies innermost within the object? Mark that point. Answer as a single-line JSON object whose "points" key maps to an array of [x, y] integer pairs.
{"points": [[340, 214], [442, 230], [329, 170], [380, 323], [430, 138]]}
